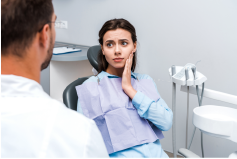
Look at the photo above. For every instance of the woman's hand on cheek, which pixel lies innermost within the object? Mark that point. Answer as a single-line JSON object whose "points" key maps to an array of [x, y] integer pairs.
{"points": [[126, 78]]}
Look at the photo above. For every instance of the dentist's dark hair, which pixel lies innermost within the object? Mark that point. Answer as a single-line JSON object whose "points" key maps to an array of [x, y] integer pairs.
{"points": [[114, 24], [20, 22]]}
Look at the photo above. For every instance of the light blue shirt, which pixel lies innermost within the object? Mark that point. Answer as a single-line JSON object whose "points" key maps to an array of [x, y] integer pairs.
{"points": [[156, 112]]}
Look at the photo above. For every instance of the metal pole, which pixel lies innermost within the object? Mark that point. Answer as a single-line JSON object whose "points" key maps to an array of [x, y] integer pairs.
{"points": [[202, 145], [187, 117], [174, 121], [187, 78], [174, 113]]}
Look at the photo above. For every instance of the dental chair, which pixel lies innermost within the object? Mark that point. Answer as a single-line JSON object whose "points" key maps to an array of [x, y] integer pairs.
{"points": [[69, 94]]}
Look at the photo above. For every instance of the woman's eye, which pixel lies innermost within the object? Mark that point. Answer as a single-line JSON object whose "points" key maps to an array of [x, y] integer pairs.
{"points": [[109, 44], [124, 43]]}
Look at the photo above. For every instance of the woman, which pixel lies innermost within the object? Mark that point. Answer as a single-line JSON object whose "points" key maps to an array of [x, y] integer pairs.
{"points": [[126, 106]]}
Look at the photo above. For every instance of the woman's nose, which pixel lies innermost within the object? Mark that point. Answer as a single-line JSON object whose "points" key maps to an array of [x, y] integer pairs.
{"points": [[117, 50]]}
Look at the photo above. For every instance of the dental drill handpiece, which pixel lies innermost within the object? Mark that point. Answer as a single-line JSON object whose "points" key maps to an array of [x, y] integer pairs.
{"points": [[186, 73], [187, 77], [194, 72], [173, 69]]}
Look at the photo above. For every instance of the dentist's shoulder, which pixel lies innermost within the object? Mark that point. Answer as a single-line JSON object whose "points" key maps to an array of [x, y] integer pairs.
{"points": [[83, 137]]}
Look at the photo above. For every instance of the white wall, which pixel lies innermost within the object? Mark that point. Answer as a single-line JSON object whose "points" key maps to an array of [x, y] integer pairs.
{"points": [[169, 32], [62, 73]]}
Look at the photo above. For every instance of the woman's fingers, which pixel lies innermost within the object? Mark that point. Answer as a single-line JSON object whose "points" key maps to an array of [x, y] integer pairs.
{"points": [[126, 67], [130, 61], [128, 64]]}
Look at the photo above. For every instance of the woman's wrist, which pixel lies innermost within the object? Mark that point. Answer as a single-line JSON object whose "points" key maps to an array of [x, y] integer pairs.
{"points": [[130, 91]]}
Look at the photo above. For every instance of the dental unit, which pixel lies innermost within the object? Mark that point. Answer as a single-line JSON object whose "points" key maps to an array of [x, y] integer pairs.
{"points": [[218, 121]]}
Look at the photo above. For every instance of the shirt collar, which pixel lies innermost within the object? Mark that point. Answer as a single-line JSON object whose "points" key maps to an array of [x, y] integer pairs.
{"points": [[17, 86], [103, 74]]}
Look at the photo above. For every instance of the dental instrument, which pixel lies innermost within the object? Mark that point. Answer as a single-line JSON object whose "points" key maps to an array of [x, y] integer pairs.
{"points": [[218, 121], [185, 76]]}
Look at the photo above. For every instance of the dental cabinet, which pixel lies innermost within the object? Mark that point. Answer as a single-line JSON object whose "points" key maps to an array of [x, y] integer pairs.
{"points": [[64, 69]]}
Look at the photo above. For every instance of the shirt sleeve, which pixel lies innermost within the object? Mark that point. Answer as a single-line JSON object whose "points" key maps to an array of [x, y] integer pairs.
{"points": [[95, 147], [156, 112]]}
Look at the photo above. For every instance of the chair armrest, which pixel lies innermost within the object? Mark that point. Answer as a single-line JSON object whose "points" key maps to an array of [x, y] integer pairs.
{"points": [[187, 153]]}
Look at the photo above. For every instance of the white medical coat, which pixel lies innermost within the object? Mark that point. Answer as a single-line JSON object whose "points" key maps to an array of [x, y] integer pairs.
{"points": [[35, 125]]}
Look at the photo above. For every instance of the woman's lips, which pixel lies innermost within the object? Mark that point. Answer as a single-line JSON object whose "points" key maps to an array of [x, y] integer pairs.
{"points": [[118, 59]]}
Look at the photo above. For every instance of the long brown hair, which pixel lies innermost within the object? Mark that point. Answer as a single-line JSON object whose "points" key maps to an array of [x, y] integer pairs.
{"points": [[114, 24]]}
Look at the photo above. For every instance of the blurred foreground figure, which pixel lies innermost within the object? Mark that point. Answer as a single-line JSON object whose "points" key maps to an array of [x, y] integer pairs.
{"points": [[32, 123]]}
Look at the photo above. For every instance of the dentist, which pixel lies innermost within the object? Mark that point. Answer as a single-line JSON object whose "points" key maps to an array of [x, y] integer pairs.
{"points": [[32, 123]]}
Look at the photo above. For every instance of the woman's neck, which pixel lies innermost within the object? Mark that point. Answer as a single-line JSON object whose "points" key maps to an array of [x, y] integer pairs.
{"points": [[115, 71]]}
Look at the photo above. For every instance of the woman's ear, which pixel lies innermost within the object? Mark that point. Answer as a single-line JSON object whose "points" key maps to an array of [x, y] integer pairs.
{"points": [[135, 47], [102, 49]]}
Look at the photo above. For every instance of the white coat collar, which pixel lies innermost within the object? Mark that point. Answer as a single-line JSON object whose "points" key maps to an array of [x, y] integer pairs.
{"points": [[17, 86]]}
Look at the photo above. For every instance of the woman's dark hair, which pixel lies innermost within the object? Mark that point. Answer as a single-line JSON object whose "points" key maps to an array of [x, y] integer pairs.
{"points": [[114, 24]]}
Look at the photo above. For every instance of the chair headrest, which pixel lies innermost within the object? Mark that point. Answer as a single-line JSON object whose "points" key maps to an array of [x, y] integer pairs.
{"points": [[92, 55]]}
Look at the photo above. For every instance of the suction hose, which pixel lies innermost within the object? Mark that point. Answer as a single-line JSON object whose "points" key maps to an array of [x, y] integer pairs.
{"points": [[200, 103]]}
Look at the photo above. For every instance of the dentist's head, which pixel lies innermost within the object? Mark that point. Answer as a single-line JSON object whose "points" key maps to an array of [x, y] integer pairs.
{"points": [[28, 36], [118, 40]]}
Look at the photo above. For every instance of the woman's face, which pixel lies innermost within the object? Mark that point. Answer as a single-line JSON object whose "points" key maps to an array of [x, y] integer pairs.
{"points": [[117, 46]]}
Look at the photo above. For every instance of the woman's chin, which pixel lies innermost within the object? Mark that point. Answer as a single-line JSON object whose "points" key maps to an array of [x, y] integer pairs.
{"points": [[118, 66]]}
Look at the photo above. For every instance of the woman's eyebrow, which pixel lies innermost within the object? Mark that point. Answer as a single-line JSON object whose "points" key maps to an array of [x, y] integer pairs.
{"points": [[119, 40], [109, 41], [123, 40]]}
